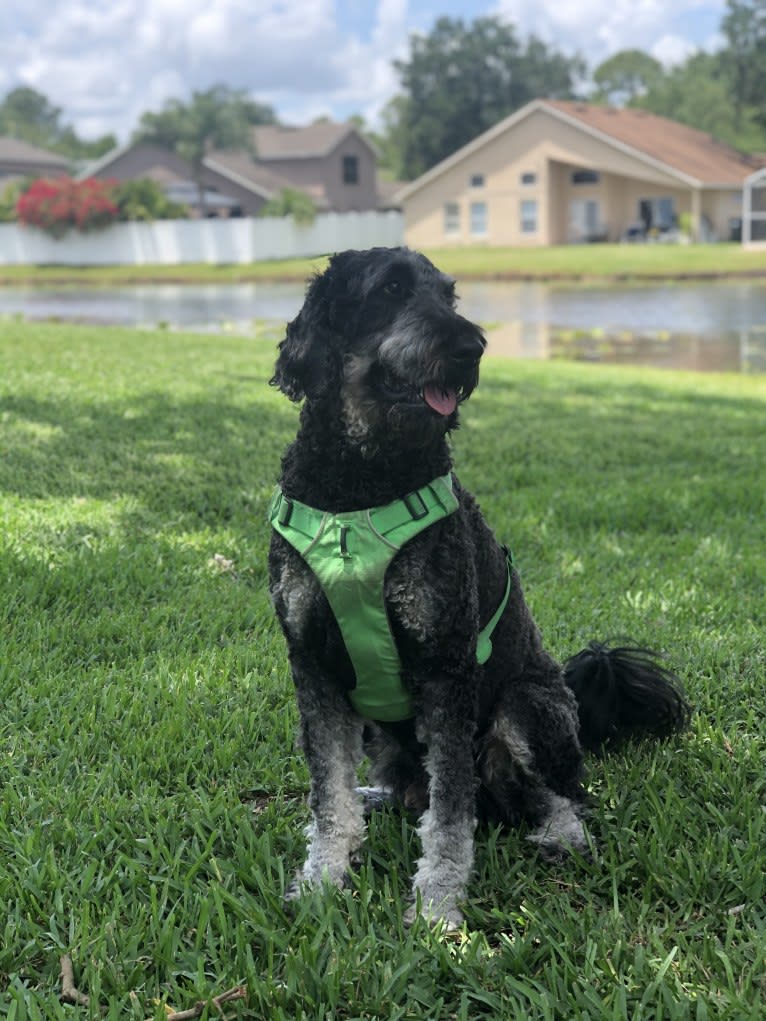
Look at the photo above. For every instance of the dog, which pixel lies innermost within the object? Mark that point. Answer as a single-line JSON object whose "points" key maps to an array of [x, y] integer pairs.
{"points": [[381, 360]]}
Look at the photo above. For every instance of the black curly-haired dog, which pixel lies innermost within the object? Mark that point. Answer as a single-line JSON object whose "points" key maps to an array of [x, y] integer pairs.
{"points": [[382, 360]]}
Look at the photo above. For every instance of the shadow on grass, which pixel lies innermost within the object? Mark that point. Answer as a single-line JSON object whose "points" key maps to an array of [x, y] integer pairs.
{"points": [[205, 458]]}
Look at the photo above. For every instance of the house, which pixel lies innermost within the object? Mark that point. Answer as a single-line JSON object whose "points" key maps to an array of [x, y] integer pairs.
{"points": [[19, 159], [558, 172], [333, 163]]}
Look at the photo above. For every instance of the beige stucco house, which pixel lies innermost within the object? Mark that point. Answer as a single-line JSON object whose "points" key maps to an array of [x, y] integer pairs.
{"points": [[558, 172]]}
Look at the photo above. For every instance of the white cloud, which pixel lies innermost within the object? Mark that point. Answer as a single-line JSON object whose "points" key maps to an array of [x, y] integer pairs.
{"points": [[104, 62], [601, 28], [672, 49]]}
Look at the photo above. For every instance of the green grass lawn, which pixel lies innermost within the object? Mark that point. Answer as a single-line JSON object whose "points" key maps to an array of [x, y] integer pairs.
{"points": [[598, 262], [151, 797]]}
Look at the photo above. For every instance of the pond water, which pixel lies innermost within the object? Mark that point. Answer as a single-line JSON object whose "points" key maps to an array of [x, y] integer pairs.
{"points": [[703, 326]]}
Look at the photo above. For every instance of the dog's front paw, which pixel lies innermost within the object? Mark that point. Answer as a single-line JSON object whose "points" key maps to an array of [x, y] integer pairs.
{"points": [[308, 879], [437, 914]]}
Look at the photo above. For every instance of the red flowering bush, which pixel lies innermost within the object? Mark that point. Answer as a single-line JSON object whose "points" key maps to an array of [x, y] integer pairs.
{"points": [[63, 204]]}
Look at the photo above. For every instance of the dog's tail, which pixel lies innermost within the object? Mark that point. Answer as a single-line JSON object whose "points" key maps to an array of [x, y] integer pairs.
{"points": [[623, 691]]}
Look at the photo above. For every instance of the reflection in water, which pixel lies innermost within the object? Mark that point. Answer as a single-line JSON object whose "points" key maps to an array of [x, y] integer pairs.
{"points": [[741, 350], [717, 326], [702, 326]]}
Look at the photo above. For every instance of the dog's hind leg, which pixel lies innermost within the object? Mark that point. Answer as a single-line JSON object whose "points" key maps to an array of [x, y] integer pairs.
{"points": [[447, 825], [530, 764], [561, 831], [331, 737]]}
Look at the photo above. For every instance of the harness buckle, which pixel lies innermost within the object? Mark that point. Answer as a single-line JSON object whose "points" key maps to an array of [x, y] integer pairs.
{"points": [[417, 513], [285, 511]]}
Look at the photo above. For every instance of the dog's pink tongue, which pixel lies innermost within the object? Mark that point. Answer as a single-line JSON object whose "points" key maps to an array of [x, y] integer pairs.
{"points": [[443, 401]]}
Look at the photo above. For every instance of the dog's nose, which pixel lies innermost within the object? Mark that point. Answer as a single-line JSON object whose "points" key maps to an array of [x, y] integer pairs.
{"points": [[469, 347]]}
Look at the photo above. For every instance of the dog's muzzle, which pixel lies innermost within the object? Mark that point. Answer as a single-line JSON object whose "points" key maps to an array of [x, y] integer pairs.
{"points": [[448, 378]]}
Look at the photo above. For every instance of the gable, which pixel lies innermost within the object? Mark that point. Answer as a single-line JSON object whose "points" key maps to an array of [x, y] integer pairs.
{"points": [[630, 143]]}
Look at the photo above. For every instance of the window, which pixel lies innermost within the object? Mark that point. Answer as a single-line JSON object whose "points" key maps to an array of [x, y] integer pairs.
{"points": [[351, 170], [478, 218], [585, 177], [477, 180], [451, 218], [585, 221], [529, 178], [528, 217], [657, 213]]}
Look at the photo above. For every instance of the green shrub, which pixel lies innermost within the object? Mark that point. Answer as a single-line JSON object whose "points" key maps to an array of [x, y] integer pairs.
{"points": [[291, 202], [144, 199]]}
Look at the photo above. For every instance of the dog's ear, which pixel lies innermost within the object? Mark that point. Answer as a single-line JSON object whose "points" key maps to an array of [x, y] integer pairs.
{"points": [[305, 355]]}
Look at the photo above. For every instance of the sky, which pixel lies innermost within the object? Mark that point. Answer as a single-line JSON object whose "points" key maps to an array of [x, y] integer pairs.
{"points": [[105, 62]]}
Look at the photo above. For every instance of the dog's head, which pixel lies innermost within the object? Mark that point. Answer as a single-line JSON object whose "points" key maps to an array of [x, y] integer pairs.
{"points": [[379, 330]]}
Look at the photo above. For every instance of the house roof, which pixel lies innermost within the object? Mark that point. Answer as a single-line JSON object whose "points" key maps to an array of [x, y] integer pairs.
{"points": [[278, 142], [14, 150], [692, 156], [692, 153], [100, 164], [163, 175], [388, 192], [238, 166]]}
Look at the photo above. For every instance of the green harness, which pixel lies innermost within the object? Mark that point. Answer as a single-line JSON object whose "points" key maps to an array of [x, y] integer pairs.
{"points": [[349, 553]]}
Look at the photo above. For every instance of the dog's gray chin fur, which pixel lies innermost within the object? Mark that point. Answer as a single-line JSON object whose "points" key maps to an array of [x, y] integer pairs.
{"points": [[378, 396]]}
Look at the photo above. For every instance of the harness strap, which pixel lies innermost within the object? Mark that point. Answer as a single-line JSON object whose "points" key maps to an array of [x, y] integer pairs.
{"points": [[349, 553], [432, 501], [484, 640]]}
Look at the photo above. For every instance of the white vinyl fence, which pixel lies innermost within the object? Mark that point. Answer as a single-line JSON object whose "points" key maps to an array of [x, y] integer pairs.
{"points": [[172, 242]]}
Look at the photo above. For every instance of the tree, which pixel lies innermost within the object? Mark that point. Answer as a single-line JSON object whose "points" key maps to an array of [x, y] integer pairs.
{"points": [[219, 118], [744, 58], [77, 148], [698, 93], [27, 114], [461, 79], [626, 76]]}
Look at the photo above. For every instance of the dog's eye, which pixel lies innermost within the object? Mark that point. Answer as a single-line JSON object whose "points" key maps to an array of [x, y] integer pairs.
{"points": [[396, 287]]}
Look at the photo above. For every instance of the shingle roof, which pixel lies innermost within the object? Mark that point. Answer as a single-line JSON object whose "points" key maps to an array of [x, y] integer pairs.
{"points": [[14, 150], [238, 165], [690, 152], [275, 141]]}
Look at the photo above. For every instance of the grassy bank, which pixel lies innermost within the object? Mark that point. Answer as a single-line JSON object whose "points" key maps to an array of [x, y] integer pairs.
{"points": [[600, 262], [151, 797]]}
